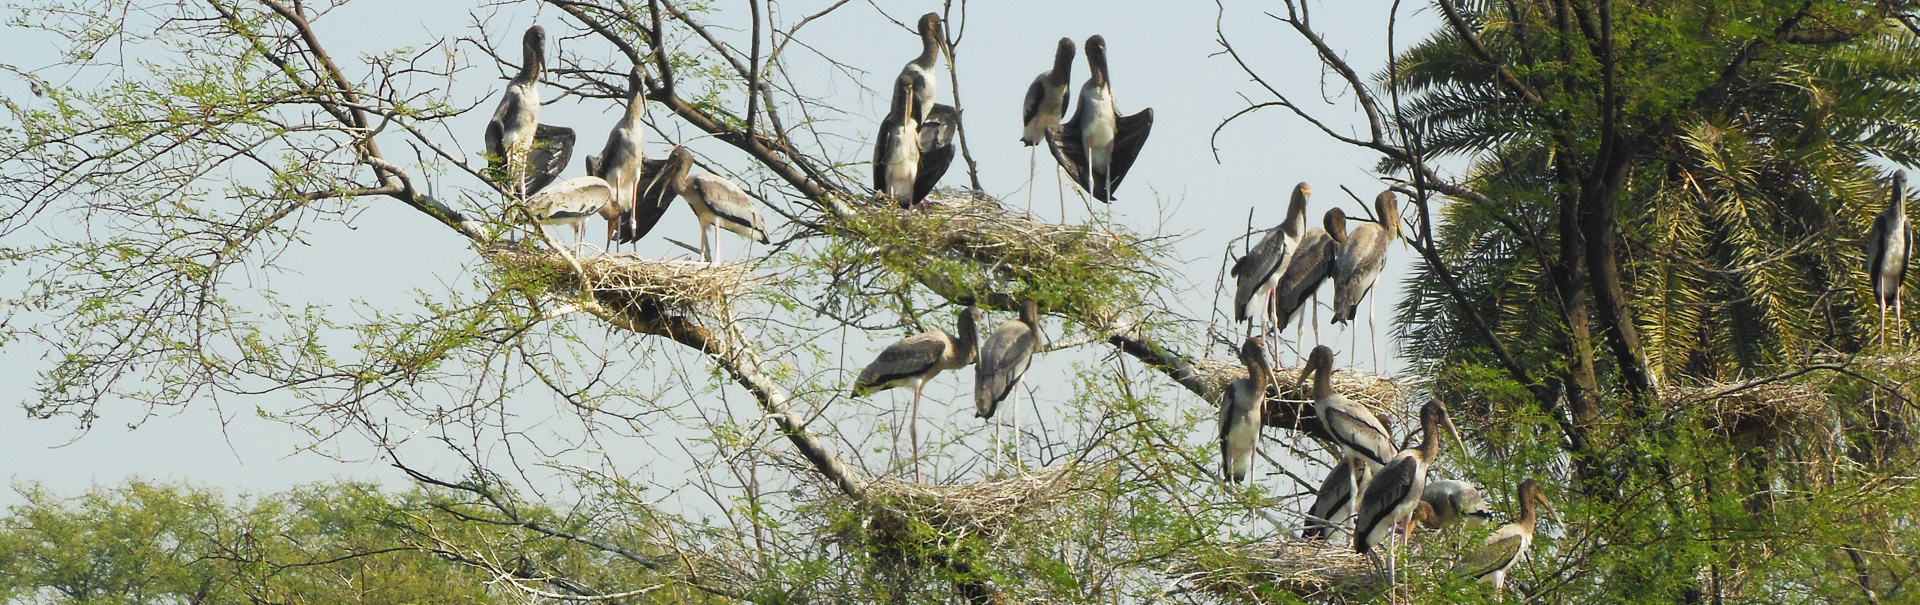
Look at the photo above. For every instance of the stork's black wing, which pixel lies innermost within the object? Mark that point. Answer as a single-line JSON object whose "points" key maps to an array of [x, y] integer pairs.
{"points": [[1131, 136], [1069, 151], [655, 196], [552, 149], [936, 149]]}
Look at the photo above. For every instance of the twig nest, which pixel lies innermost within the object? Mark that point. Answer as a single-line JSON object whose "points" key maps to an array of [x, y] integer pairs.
{"points": [[1307, 568], [1775, 407], [977, 509], [631, 283], [1378, 393]]}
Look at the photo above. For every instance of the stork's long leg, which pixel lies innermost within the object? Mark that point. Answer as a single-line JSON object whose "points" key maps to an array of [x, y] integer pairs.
{"points": [[1032, 166], [913, 430], [704, 250], [1373, 330]]}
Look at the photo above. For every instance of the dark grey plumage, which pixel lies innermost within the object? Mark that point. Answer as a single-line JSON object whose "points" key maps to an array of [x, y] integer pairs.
{"points": [[1507, 546], [716, 201], [1889, 247], [936, 148], [1395, 490], [511, 132], [1350, 425], [1257, 273], [1333, 502], [1240, 410], [1455, 501], [1362, 256], [896, 152], [917, 360], [926, 83], [1004, 358], [1098, 146], [1310, 267], [1048, 96]]}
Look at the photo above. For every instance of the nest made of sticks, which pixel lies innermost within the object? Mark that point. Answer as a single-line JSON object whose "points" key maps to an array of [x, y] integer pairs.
{"points": [[629, 282], [976, 227], [1307, 568], [1377, 392], [978, 509], [1777, 405]]}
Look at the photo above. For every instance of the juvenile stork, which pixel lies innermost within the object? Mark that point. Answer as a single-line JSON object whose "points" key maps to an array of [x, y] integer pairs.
{"points": [[1047, 99], [620, 162], [1003, 361], [896, 154], [915, 361], [937, 130], [1455, 501], [1240, 409], [933, 42], [510, 134], [1888, 246], [1509, 544], [1333, 502], [1309, 268], [1357, 265], [1258, 272], [1098, 145], [570, 203], [1356, 430], [1393, 494], [716, 201]]}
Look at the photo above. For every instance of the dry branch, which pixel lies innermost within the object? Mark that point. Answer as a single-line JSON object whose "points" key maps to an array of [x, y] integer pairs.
{"points": [[1310, 569]]}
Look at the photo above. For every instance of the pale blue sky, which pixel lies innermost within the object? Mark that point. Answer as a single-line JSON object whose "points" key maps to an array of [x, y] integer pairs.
{"points": [[1161, 56]]}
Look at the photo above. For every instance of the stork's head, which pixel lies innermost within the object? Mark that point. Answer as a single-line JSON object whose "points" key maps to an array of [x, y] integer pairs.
{"points": [[1335, 222], [1320, 360]]}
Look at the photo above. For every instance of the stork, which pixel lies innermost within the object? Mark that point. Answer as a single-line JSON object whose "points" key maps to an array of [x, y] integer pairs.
{"points": [[1003, 361], [915, 361], [1394, 492], [1258, 272], [1454, 501], [896, 154], [1888, 246], [1333, 502], [620, 162], [1509, 544], [510, 134], [570, 203], [1044, 107], [937, 130], [933, 42], [1098, 145], [716, 201], [1240, 409], [1311, 265], [1357, 432], [1358, 263]]}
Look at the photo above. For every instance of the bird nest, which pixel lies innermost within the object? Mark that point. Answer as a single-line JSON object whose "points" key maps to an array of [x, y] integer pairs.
{"points": [[626, 282], [960, 511], [1372, 390], [965, 225], [1253, 573], [1775, 405]]}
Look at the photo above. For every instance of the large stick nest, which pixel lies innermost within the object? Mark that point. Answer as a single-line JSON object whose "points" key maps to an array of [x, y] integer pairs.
{"points": [[1310, 569], [630, 283], [959, 511], [1378, 393], [975, 227]]}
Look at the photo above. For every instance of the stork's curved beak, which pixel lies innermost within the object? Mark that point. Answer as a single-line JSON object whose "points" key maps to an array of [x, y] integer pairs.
{"points": [[1551, 512]]}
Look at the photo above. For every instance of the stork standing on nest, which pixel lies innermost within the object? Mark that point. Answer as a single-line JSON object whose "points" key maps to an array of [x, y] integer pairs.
{"points": [[1003, 361], [917, 360], [570, 203], [1454, 501], [926, 83], [1393, 494], [1356, 430], [1311, 265], [1358, 265], [1045, 105], [1258, 272], [896, 154], [1509, 544], [716, 201], [510, 133], [1888, 246], [621, 160], [1098, 145], [1240, 409], [1333, 502], [937, 130]]}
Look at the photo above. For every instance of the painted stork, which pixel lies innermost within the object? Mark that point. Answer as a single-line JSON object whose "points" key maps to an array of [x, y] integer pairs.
{"points": [[1888, 246], [1098, 145], [1509, 544], [937, 130], [1004, 359], [716, 201], [1044, 107], [1454, 501], [1356, 430], [1258, 272], [1333, 502], [915, 361], [1393, 494], [1309, 268], [1357, 265], [510, 134], [1240, 409], [926, 83], [571, 202], [620, 162], [896, 154]]}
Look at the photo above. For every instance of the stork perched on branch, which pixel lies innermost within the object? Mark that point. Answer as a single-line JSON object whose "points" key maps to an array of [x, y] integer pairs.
{"points": [[620, 162], [1240, 409], [510, 133], [1394, 492], [1508, 546], [1003, 361], [915, 361], [716, 201], [1359, 261], [1257, 274], [1889, 245]]}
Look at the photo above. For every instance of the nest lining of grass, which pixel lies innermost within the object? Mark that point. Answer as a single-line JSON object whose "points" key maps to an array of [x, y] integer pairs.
{"points": [[979, 509], [1307, 568], [630, 283], [1777, 404]]}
